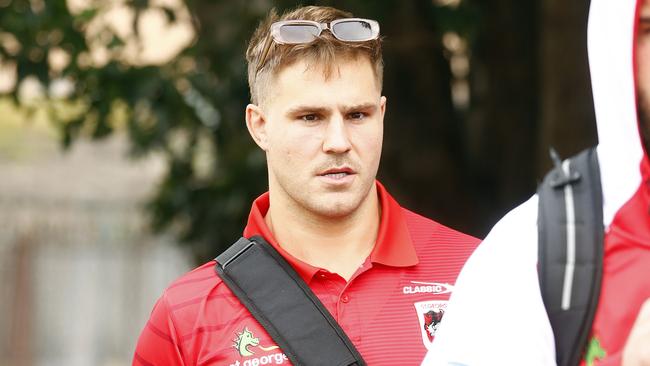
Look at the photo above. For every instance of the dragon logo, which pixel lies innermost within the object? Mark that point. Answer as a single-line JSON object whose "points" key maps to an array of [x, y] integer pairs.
{"points": [[246, 339], [432, 320], [430, 314]]}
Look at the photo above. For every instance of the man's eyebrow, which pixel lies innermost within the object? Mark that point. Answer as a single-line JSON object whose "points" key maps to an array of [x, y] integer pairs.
{"points": [[359, 107], [306, 109]]}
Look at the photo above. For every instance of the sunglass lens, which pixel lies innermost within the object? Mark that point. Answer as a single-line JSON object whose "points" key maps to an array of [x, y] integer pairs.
{"points": [[298, 33], [353, 31]]}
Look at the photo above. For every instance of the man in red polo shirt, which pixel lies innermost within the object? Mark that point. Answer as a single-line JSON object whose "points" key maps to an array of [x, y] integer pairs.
{"points": [[384, 273]]}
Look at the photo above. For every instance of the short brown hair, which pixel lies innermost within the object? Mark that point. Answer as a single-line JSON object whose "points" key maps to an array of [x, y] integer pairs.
{"points": [[322, 51]]}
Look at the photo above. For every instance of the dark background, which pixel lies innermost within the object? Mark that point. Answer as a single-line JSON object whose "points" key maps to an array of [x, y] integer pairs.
{"points": [[462, 161]]}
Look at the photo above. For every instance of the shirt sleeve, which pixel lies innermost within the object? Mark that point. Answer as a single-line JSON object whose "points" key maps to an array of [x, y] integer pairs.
{"points": [[496, 315], [158, 343]]}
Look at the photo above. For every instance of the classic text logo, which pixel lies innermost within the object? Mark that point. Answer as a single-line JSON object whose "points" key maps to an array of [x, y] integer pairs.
{"points": [[436, 288]]}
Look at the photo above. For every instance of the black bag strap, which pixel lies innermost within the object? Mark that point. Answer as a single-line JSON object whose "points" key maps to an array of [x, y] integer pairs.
{"points": [[284, 305], [570, 237]]}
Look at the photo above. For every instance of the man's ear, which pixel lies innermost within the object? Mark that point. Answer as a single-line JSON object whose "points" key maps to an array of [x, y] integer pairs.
{"points": [[256, 124], [382, 106]]}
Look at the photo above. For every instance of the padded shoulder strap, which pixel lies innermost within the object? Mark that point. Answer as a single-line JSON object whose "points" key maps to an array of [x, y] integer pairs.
{"points": [[570, 224], [284, 305]]}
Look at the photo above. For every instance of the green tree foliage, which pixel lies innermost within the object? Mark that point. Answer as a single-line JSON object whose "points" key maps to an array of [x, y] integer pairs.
{"points": [[463, 165]]}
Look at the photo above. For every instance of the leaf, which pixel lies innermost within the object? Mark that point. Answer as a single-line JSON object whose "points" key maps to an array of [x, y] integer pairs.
{"points": [[87, 15], [115, 42]]}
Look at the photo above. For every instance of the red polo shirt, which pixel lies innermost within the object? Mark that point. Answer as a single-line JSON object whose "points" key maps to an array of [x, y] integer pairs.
{"points": [[390, 307], [625, 284]]}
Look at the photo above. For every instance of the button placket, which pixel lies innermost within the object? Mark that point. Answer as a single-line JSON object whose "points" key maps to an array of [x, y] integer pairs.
{"points": [[349, 314]]}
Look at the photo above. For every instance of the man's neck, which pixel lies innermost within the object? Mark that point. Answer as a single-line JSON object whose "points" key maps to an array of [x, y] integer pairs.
{"points": [[339, 245]]}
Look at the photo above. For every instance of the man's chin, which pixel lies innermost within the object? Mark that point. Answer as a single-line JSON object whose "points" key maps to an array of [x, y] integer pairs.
{"points": [[332, 202], [336, 208]]}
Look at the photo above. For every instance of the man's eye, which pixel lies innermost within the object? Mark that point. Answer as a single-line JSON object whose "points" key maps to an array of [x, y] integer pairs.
{"points": [[309, 117], [356, 115]]}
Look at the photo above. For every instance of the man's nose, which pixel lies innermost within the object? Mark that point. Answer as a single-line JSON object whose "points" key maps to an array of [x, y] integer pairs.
{"points": [[336, 139]]}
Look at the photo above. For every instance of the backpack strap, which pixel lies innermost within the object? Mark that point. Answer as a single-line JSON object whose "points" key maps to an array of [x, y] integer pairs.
{"points": [[284, 305], [570, 237]]}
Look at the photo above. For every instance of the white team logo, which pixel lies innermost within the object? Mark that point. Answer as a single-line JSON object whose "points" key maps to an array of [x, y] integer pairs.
{"points": [[435, 288], [430, 315]]}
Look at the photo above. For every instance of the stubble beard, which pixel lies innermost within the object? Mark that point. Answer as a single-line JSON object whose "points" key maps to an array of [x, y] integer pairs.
{"points": [[336, 205], [332, 205], [643, 111]]}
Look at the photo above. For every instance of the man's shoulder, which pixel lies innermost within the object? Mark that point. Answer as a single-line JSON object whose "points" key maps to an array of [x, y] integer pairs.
{"points": [[510, 247], [199, 297], [193, 286], [516, 233], [423, 229], [197, 315]]}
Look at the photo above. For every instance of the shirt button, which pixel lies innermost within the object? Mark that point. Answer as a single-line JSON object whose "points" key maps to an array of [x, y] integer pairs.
{"points": [[345, 298]]}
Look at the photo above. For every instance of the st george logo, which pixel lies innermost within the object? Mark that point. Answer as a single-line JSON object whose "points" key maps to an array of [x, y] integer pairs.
{"points": [[432, 320], [245, 339], [430, 314]]}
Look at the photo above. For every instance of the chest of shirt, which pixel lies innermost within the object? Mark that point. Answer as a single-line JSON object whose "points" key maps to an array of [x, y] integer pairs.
{"points": [[391, 315], [624, 288]]}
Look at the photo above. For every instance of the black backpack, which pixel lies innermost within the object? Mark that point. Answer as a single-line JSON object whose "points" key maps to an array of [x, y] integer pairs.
{"points": [[570, 258]]}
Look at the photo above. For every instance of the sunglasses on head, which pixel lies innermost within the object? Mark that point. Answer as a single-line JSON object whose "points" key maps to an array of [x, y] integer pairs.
{"points": [[306, 31]]}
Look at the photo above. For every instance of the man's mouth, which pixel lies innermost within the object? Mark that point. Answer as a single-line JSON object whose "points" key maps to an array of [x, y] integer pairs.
{"points": [[337, 173]]}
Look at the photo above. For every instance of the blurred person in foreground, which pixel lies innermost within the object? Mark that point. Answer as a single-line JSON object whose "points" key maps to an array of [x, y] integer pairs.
{"points": [[497, 314], [383, 272]]}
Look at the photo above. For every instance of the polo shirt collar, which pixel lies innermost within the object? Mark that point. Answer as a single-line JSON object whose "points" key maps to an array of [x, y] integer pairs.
{"points": [[394, 246]]}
